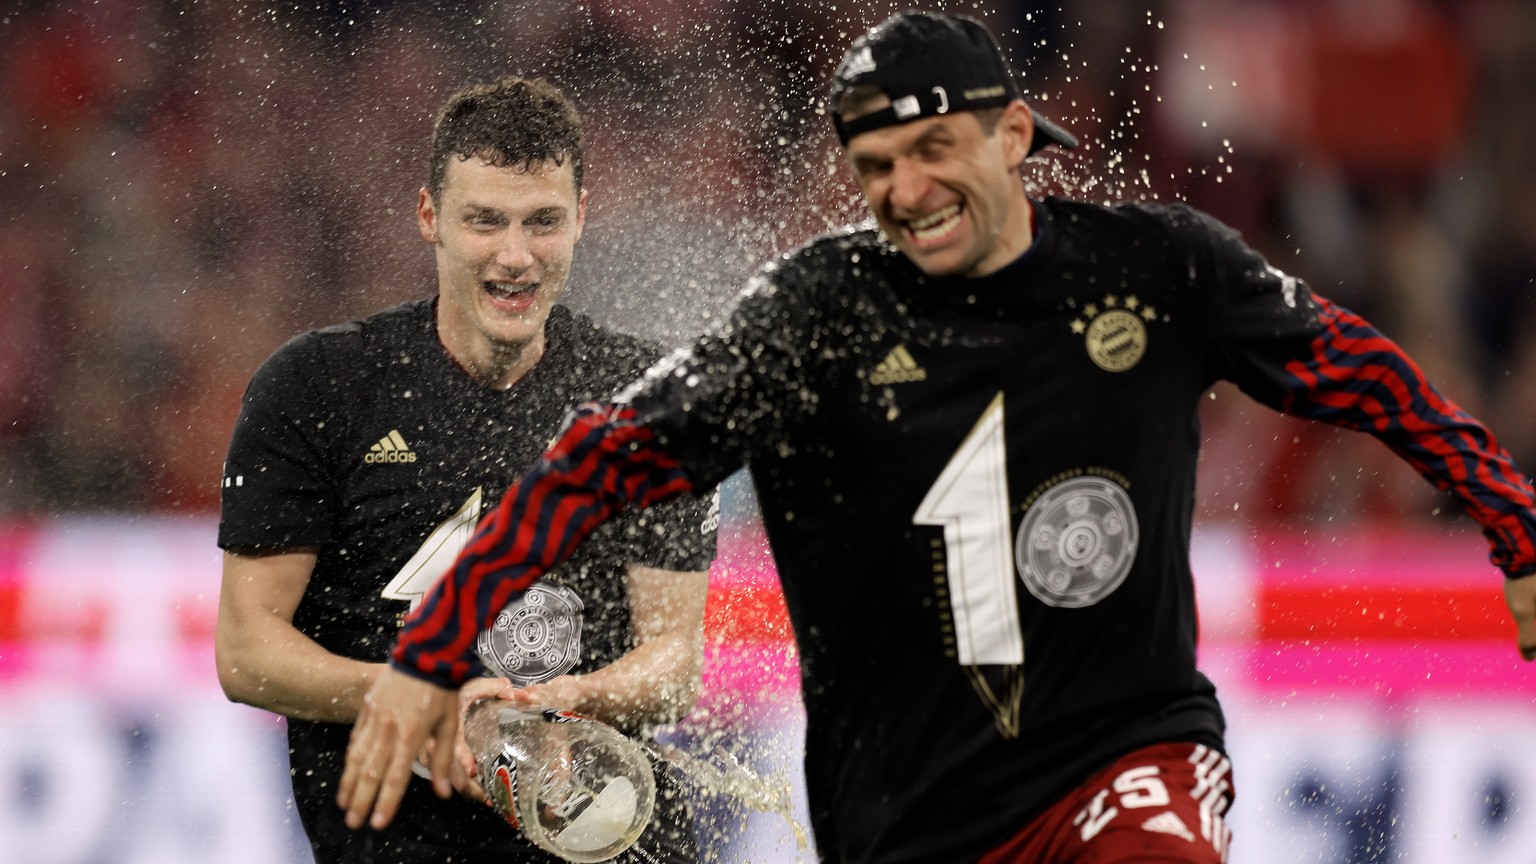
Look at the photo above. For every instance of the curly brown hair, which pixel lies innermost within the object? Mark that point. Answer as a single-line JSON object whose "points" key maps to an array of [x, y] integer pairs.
{"points": [[507, 122]]}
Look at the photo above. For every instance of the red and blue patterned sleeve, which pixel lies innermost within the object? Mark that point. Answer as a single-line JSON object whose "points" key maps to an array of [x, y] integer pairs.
{"points": [[1307, 356], [602, 461], [1355, 377]]}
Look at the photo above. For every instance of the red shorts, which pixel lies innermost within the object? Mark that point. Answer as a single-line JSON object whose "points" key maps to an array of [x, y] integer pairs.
{"points": [[1163, 803]]}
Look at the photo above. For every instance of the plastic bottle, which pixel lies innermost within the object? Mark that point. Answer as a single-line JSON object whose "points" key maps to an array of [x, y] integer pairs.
{"points": [[574, 786]]}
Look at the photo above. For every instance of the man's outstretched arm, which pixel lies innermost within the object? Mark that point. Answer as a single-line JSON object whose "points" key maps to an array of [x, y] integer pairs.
{"points": [[603, 461], [1357, 378]]}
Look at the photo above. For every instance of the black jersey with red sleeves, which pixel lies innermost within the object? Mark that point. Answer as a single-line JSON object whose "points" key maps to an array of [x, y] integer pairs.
{"points": [[979, 496], [367, 442]]}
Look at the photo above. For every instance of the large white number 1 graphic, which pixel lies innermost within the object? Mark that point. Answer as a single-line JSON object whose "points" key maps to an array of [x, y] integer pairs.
{"points": [[436, 555], [970, 501]]}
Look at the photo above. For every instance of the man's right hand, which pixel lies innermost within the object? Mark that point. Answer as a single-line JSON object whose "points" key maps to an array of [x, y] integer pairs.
{"points": [[466, 767], [401, 715]]}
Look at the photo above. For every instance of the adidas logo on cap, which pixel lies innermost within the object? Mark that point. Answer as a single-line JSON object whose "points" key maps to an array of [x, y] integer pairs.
{"points": [[391, 448], [860, 62]]}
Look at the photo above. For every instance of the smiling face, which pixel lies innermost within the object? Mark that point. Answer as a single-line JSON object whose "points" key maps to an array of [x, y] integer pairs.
{"points": [[946, 190], [505, 237]]}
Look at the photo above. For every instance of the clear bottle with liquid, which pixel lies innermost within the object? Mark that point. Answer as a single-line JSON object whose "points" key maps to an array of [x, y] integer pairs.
{"points": [[574, 786]]}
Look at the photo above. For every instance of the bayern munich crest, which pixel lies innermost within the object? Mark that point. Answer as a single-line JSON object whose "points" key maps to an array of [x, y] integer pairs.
{"points": [[1077, 543], [536, 637], [1114, 331]]}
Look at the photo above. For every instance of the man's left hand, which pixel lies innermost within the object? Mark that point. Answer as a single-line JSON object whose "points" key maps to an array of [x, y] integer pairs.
{"points": [[1520, 595], [400, 715]]}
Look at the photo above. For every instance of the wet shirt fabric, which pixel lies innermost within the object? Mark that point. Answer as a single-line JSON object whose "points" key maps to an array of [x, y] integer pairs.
{"points": [[368, 442], [979, 496]]}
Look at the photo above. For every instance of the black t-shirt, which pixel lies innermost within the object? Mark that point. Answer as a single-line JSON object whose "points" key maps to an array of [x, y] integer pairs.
{"points": [[979, 495], [367, 441]]}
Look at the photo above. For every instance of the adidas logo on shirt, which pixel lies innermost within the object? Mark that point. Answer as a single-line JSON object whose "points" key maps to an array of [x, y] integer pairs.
{"points": [[898, 367], [391, 448]]}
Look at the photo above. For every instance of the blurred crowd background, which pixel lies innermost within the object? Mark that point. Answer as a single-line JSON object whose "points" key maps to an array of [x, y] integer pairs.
{"points": [[184, 185]]}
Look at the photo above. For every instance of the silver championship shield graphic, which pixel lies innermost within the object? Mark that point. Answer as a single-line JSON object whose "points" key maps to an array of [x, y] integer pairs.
{"points": [[1077, 543], [536, 637]]}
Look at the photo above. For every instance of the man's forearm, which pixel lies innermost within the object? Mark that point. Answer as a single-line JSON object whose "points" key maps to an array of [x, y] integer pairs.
{"points": [[656, 683], [1358, 379], [263, 660], [286, 672]]}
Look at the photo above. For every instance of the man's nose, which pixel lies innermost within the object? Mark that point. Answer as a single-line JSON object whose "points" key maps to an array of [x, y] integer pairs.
{"points": [[514, 251], [909, 184]]}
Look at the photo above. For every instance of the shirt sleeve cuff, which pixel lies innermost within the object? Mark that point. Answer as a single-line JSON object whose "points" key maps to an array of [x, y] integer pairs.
{"points": [[442, 680]]}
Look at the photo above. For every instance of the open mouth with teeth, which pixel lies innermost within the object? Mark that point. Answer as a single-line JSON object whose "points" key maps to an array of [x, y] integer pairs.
{"points": [[935, 225], [510, 291]]}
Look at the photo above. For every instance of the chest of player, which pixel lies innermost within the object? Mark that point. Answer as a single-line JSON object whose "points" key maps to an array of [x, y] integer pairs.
{"points": [[419, 468], [1083, 416], [413, 448], [1110, 382]]}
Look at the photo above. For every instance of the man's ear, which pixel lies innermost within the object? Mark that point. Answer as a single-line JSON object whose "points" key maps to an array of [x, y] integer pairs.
{"points": [[426, 216], [1017, 126]]}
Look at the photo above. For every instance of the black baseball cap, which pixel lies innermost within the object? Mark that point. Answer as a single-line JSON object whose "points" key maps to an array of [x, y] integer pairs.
{"points": [[930, 63]]}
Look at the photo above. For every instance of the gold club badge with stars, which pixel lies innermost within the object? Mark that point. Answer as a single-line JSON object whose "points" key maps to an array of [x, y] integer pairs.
{"points": [[1114, 334]]}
